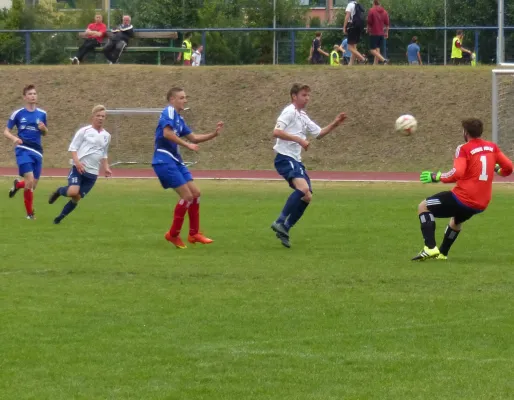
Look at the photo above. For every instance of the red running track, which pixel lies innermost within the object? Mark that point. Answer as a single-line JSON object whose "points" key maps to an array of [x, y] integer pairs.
{"points": [[336, 176]]}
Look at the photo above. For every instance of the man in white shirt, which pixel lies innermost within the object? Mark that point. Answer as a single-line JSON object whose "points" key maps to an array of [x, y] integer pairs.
{"points": [[293, 126], [196, 57], [353, 27], [88, 149]]}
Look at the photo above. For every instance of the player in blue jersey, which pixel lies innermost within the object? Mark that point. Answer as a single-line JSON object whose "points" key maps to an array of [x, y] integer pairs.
{"points": [[30, 123], [171, 170], [291, 131]]}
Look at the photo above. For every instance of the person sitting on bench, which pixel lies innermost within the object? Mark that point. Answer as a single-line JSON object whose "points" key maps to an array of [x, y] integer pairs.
{"points": [[95, 33], [119, 40]]}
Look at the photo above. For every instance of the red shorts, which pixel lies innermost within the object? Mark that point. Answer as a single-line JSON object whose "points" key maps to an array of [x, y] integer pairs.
{"points": [[187, 63]]}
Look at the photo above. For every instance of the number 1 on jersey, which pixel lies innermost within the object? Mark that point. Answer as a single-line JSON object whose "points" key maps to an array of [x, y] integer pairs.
{"points": [[483, 176]]}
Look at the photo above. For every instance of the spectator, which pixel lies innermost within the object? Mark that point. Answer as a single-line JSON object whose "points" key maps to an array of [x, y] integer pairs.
{"points": [[315, 56], [413, 52], [378, 29], [186, 44], [346, 53], [119, 40], [457, 49], [197, 56], [95, 33], [353, 26], [334, 56]]}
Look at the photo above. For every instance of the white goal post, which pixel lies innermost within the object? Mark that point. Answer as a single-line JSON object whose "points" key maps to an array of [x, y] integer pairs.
{"points": [[133, 136], [503, 110]]}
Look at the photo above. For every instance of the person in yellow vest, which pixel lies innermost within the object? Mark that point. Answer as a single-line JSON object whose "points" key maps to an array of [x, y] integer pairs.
{"points": [[334, 56], [457, 49], [186, 44]]}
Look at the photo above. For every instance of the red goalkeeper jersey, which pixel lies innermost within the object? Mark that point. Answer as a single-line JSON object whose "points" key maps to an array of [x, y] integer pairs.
{"points": [[473, 171]]}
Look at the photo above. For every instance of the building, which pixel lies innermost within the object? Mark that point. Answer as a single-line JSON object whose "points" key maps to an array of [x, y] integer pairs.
{"points": [[325, 10]]}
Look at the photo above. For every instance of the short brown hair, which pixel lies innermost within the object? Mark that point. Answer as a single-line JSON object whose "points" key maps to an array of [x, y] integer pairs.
{"points": [[376, 2], [473, 127], [28, 88], [297, 88], [173, 91], [317, 34], [459, 32]]}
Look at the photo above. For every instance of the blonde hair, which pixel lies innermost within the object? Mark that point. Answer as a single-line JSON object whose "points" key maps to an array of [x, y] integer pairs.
{"points": [[97, 109]]}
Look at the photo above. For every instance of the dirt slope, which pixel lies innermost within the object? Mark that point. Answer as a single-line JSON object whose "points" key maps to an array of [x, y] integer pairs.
{"points": [[249, 99]]}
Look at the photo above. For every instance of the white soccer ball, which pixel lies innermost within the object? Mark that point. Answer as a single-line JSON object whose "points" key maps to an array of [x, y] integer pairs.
{"points": [[406, 125]]}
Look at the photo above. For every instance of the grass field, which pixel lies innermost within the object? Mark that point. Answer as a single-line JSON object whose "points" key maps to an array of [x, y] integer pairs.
{"points": [[102, 307]]}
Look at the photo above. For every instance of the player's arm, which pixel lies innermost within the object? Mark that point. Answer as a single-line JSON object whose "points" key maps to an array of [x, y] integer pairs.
{"points": [[196, 138], [11, 123], [169, 134], [105, 159], [333, 125], [346, 19], [457, 172], [504, 164], [74, 148], [42, 126], [419, 58]]}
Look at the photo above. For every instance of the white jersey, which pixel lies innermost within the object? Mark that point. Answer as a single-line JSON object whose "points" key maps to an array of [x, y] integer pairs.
{"points": [[91, 147], [296, 123], [196, 59]]}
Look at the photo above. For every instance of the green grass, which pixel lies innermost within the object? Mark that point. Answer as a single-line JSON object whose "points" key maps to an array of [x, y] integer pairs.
{"points": [[101, 307]]}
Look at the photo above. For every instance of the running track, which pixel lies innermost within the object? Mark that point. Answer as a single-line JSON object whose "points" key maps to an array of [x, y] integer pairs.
{"points": [[335, 176]]}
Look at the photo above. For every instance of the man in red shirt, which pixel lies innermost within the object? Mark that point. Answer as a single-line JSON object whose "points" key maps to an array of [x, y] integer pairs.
{"points": [[378, 29], [473, 170], [95, 33]]}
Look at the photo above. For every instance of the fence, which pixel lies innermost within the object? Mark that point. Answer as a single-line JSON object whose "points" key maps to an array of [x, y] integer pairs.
{"points": [[46, 46]]}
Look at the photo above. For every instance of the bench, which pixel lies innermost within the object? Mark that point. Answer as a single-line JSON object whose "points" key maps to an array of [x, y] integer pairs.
{"points": [[141, 49]]}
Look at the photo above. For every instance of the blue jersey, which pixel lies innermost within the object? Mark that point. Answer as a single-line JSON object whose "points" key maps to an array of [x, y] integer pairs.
{"points": [[165, 150], [26, 122]]}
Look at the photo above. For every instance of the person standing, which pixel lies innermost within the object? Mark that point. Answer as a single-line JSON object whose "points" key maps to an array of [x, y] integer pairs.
{"points": [[378, 29], [413, 52], [353, 27], [317, 53], [186, 44], [457, 49]]}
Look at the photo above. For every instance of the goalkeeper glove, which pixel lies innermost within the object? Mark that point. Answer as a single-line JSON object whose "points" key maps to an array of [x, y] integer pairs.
{"points": [[497, 169], [430, 177]]}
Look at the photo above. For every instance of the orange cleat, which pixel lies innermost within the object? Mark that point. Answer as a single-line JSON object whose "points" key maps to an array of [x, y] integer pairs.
{"points": [[176, 240], [199, 238]]}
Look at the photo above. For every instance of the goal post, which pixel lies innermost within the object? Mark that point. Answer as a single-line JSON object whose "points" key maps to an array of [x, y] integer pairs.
{"points": [[133, 135], [503, 109]]}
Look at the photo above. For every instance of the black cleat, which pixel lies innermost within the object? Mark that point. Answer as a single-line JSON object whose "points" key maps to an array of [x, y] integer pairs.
{"points": [[53, 197], [284, 240], [280, 228], [57, 220], [13, 190]]}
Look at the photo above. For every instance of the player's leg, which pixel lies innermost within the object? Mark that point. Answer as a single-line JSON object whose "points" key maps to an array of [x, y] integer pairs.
{"points": [[108, 48], [304, 185], [453, 229], [17, 185], [28, 192], [195, 236], [120, 46], [72, 190]]}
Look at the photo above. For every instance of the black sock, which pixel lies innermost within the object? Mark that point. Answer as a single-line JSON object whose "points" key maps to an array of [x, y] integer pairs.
{"points": [[428, 228], [450, 236]]}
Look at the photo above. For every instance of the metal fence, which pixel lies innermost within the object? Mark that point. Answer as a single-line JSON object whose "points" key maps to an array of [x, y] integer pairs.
{"points": [[45, 46]]}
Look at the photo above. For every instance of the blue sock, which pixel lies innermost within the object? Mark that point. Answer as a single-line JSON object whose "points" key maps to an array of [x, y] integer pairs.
{"points": [[68, 207], [296, 214], [291, 203], [63, 190]]}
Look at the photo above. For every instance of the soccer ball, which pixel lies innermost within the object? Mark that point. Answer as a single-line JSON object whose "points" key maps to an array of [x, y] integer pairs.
{"points": [[406, 124]]}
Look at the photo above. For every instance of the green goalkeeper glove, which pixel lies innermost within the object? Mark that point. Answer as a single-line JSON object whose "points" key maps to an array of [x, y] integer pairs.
{"points": [[497, 169], [430, 177]]}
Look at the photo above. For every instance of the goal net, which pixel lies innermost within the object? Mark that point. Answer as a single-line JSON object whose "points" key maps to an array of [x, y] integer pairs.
{"points": [[503, 110], [133, 134]]}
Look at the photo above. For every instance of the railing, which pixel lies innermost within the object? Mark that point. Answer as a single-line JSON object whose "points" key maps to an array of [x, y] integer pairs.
{"points": [[395, 46]]}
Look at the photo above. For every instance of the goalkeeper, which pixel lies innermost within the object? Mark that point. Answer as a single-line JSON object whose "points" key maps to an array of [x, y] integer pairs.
{"points": [[473, 170]]}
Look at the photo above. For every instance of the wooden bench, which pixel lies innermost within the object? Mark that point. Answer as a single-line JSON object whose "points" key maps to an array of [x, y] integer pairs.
{"points": [[142, 49]]}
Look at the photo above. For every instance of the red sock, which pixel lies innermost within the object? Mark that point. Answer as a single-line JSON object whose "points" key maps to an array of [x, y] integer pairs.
{"points": [[28, 196], [178, 217], [20, 185], [194, 216]]}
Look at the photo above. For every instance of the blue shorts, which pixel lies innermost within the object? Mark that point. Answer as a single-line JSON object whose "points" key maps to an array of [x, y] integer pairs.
{"points": [[86, 181], [289, 168], [172, 175], [29, 161]]}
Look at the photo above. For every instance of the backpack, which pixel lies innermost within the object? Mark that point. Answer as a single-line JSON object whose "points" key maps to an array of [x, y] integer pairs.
{"points": [[358, 17]]}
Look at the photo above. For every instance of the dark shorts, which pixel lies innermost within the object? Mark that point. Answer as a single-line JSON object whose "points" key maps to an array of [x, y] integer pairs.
{"points": [[446, 205], [29, 161], [86, 181], [346, 60], [458, 61], [289, 169], [172, 175], [318, 60], [375, 42], [354, 35]]}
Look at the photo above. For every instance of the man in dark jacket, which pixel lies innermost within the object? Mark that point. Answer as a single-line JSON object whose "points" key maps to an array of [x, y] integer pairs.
{"points": [[119, 40]]}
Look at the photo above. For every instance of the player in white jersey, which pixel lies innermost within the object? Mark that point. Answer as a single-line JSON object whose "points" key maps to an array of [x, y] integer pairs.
{"points": [[292, 130], [88, 149]]}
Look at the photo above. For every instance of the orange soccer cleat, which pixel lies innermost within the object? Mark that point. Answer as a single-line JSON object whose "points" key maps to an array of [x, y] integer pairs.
{"points": [[176, 240], [199, 238]]}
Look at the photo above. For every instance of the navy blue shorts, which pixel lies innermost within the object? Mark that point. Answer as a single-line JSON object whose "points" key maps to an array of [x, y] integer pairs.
{"points": [[86, 181], [289, 169], [29, 161], [172, 175]]}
